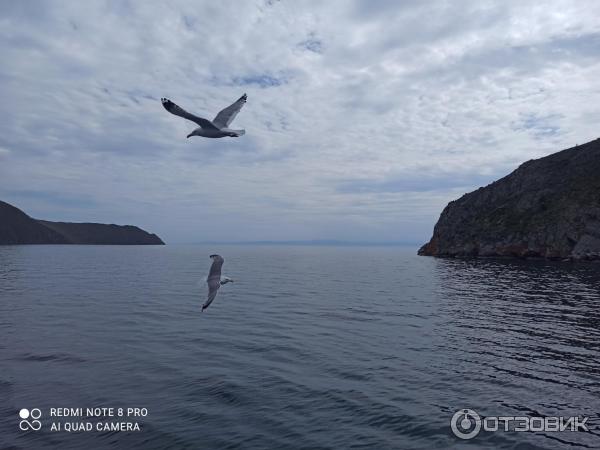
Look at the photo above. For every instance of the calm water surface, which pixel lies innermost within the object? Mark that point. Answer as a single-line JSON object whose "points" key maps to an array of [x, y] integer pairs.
{"points": [[311, 347]]}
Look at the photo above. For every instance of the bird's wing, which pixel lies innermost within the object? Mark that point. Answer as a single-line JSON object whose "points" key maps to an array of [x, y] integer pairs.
{"points": [[214, 279], [226, 116], [215, 268], [213, 288], [179, 111]]}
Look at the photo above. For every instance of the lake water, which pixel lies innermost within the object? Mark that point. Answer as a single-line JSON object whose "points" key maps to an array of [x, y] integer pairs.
{"points": [[311, 347]]}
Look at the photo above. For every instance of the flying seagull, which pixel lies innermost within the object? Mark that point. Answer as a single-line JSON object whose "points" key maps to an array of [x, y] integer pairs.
{"points": [[218, 128], [214, 279]]}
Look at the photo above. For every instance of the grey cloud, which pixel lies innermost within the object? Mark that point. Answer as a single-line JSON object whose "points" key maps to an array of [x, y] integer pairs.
{"points": [[355, 111], [57, 199], [417, 183], [539, 126], [262, 80]]}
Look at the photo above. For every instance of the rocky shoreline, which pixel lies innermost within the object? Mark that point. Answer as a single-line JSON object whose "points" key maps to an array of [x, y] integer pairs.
{"points": [[547, 208]]}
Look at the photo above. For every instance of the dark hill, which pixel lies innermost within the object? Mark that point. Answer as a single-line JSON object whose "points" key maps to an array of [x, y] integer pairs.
{"points": [[16, 227], [548, 207]]}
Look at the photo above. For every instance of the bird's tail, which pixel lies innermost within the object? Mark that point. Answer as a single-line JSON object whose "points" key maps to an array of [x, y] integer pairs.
{"points": [[239, 132]]}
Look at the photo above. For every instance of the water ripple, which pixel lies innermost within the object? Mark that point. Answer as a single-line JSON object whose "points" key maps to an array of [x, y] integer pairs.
{"points": [[303, 351]]}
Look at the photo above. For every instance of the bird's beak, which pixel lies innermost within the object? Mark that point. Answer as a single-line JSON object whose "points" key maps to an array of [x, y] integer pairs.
{"points": [[189, 135]]}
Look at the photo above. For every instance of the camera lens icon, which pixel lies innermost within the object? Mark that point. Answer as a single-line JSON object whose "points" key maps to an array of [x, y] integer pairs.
{"points": [[26, 414], [465, 424]]}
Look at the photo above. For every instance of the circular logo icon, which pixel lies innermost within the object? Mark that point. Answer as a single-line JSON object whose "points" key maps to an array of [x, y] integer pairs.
{"points": [[465, 424], [34, 414]]}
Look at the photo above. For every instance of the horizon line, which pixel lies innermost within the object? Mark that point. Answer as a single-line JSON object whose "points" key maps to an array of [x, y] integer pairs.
{"points": [[332, 242]]}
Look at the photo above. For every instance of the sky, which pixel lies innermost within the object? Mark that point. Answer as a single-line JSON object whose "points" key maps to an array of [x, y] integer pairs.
{"points": [[364, 118]]}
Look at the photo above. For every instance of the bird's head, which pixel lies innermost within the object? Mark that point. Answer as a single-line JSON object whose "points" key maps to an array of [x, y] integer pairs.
{"points": [[195, 132]]}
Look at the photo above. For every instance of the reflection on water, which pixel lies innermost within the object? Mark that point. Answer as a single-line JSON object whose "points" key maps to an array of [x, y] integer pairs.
{"points": [[530, 331], [324, 347]]}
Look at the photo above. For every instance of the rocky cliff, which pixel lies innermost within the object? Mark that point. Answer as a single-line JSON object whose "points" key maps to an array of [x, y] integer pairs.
{"points": [[548, 207], [16, 227]]}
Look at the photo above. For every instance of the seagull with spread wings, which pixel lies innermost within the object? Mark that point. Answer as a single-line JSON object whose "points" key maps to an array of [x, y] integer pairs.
{"points": [[218, 128], [214, 279]]}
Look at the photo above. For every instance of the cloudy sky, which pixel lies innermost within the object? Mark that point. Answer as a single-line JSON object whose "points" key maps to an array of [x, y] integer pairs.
{"points": [[364, 118]]}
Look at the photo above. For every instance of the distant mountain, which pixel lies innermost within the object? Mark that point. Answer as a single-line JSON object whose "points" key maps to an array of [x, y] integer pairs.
{"points": [[16, 227], [548, 207]]}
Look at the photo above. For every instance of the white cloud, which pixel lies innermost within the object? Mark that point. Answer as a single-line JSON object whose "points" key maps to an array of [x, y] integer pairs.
{"points": [[363, 119]]}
